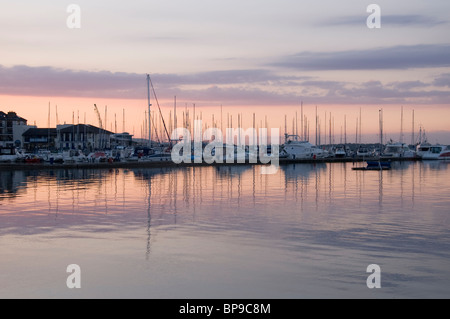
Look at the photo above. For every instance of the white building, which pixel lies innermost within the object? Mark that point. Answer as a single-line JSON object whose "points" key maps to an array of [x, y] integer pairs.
{"points": [[12, 127], [82, 137]]}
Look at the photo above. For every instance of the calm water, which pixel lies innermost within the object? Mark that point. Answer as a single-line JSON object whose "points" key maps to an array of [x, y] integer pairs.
{"points": [[308, 231]]}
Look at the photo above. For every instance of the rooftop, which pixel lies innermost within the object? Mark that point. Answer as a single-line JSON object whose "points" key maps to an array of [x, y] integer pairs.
{"points": [[83, 128], [40, 132], [12, 116]]}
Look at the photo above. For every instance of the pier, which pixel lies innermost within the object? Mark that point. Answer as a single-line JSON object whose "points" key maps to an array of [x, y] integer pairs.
{"points": [[169, 163]]}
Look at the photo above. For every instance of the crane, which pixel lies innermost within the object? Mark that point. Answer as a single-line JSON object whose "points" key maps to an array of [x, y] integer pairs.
{"points": [[98, 116], [100, 124]]}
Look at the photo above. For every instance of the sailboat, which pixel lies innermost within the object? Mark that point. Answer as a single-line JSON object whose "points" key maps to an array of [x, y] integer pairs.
{"points": [[159, 153]]}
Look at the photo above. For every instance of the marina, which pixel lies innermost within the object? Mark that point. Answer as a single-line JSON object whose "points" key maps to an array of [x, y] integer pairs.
{"points": [[166, 161], [225, 155], [87, 146]]}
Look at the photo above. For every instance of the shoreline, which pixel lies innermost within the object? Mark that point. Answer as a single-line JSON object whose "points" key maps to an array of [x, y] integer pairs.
{"points": [[169, 164]]}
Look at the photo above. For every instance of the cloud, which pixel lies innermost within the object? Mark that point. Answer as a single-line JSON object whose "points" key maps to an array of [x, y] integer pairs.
{"points": [[408, 85], [231, 87], [393, 58], [442, 80], [48, 81], [221, 77], [240, 95], [399, 93]]}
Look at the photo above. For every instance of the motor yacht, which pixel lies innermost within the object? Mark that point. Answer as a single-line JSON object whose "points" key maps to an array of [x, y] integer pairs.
{"points": [[437, 152]]}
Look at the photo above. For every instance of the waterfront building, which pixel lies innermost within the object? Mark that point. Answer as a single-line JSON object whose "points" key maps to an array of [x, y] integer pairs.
{"points": [[39, 138], [82, 137], [12, 127]]}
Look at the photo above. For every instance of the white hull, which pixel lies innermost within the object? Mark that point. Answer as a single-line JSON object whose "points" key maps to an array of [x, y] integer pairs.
{"points": [[398, 150], [437, 152], [295, 149]]}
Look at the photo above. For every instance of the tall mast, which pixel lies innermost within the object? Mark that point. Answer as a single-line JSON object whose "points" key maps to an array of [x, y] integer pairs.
{"points": [[360, 127], [316, 127], [149, 105], [381, 129], [412, 130], [175, 112], [48, 137], [345, 129], [301, 115], [330, 129], [401, 126]]}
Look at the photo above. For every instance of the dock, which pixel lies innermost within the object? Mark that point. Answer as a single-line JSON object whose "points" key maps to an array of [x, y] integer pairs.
{"points": [[167, 163]]}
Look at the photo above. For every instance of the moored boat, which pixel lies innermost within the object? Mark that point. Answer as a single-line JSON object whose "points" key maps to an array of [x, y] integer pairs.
{"points": [[437, 152], [398, 150], [374, 166], [340, 152], [422, 149], [297, 149]]}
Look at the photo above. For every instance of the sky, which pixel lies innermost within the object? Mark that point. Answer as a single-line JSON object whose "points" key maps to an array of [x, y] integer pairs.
{"points": [[231, 58]]}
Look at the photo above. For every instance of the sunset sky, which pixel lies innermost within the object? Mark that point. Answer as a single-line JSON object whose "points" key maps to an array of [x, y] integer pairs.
{"points": [[263, 57]]}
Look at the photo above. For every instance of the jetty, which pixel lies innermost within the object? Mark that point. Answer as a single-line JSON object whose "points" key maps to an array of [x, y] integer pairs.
{"points": [[168, 163]]}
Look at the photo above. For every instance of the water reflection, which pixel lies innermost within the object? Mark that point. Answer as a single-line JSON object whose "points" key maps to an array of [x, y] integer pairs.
{"points": [[11, 183], [323, 217], [171, 194]]}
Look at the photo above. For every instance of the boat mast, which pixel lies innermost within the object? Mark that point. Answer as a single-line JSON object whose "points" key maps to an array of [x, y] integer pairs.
{"points": [[401, 126], [360, 125], [316, 127], [48, 131], [345, 129], [301, 126], [175, 112], [381, 129], [412, 130], [149, 105], [123, 126]]}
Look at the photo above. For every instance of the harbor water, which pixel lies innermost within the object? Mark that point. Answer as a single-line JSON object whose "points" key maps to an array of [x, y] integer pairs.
{"points": [[306, 231]]}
